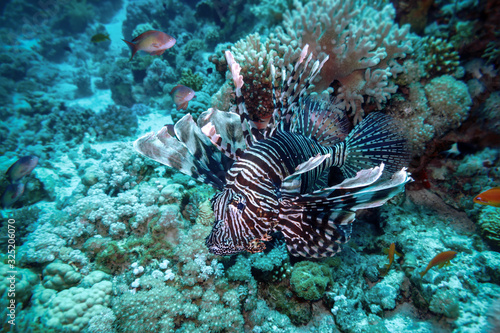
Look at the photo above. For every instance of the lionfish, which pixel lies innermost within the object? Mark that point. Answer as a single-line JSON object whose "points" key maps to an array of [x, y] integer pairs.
{"points": [[275, 179]]}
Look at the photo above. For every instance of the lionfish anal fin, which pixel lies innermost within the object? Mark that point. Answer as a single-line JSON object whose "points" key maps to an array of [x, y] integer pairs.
{"points": [[316, 224]]}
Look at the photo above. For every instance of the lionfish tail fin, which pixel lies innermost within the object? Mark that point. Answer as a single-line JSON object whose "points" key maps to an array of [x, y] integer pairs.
{"points": [[376, 140]]}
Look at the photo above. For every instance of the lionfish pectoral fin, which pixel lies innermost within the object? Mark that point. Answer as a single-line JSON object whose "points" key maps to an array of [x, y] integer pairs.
{"points": [[291, 185], [317, 234], [167, 150], [191, 153], [224, 131]]}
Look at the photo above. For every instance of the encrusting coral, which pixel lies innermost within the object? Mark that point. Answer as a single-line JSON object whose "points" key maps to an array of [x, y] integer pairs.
{"points": [[437, 56]]}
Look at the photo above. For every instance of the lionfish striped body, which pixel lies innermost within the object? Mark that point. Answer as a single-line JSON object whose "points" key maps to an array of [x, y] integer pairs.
{"points": [[276, 178]]}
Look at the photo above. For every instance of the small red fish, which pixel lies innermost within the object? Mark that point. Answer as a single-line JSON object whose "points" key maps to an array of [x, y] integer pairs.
{"points": [[152, 41], [490, 197], [441, 259], [12, 193], [182, 95], [22, 167]]}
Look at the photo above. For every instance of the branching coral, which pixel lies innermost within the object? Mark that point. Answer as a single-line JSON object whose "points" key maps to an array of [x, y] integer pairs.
{"points": [[363, 44]]}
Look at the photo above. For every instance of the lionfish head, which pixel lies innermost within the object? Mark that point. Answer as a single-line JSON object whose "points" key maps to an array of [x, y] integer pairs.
{"points": [[230, 233]]}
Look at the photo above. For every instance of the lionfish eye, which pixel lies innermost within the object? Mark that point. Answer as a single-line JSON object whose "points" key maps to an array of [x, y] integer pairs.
{"points": [[240, 206]]}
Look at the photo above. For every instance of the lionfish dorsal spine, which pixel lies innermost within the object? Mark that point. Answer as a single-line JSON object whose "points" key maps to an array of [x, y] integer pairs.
{"points": [[294, 86], [250, 131]]}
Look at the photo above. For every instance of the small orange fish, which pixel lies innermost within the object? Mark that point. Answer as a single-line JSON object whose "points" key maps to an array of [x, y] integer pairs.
{"points": [[441, 259], [390, 252], [182, 95], [490, 197], [152, 41]]}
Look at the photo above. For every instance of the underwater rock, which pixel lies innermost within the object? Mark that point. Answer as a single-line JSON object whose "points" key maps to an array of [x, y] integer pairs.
{"points": [[386, 292], [489, 262], [445, 302], [90, 178], [49, 180], [83, 83], [22, 107]]}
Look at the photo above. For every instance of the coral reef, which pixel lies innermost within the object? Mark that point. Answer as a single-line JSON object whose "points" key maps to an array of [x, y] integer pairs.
{"points": [[107, 241], [489, 223]]}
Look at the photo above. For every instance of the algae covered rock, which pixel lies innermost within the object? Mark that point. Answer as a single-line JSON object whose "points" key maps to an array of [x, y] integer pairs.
{"points": [[489, 263], [309, 280], [299, 311], [445, 302]]}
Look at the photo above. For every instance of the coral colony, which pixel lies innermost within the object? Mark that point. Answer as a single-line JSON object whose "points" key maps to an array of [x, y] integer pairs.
{"points": [[250, 166]]}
